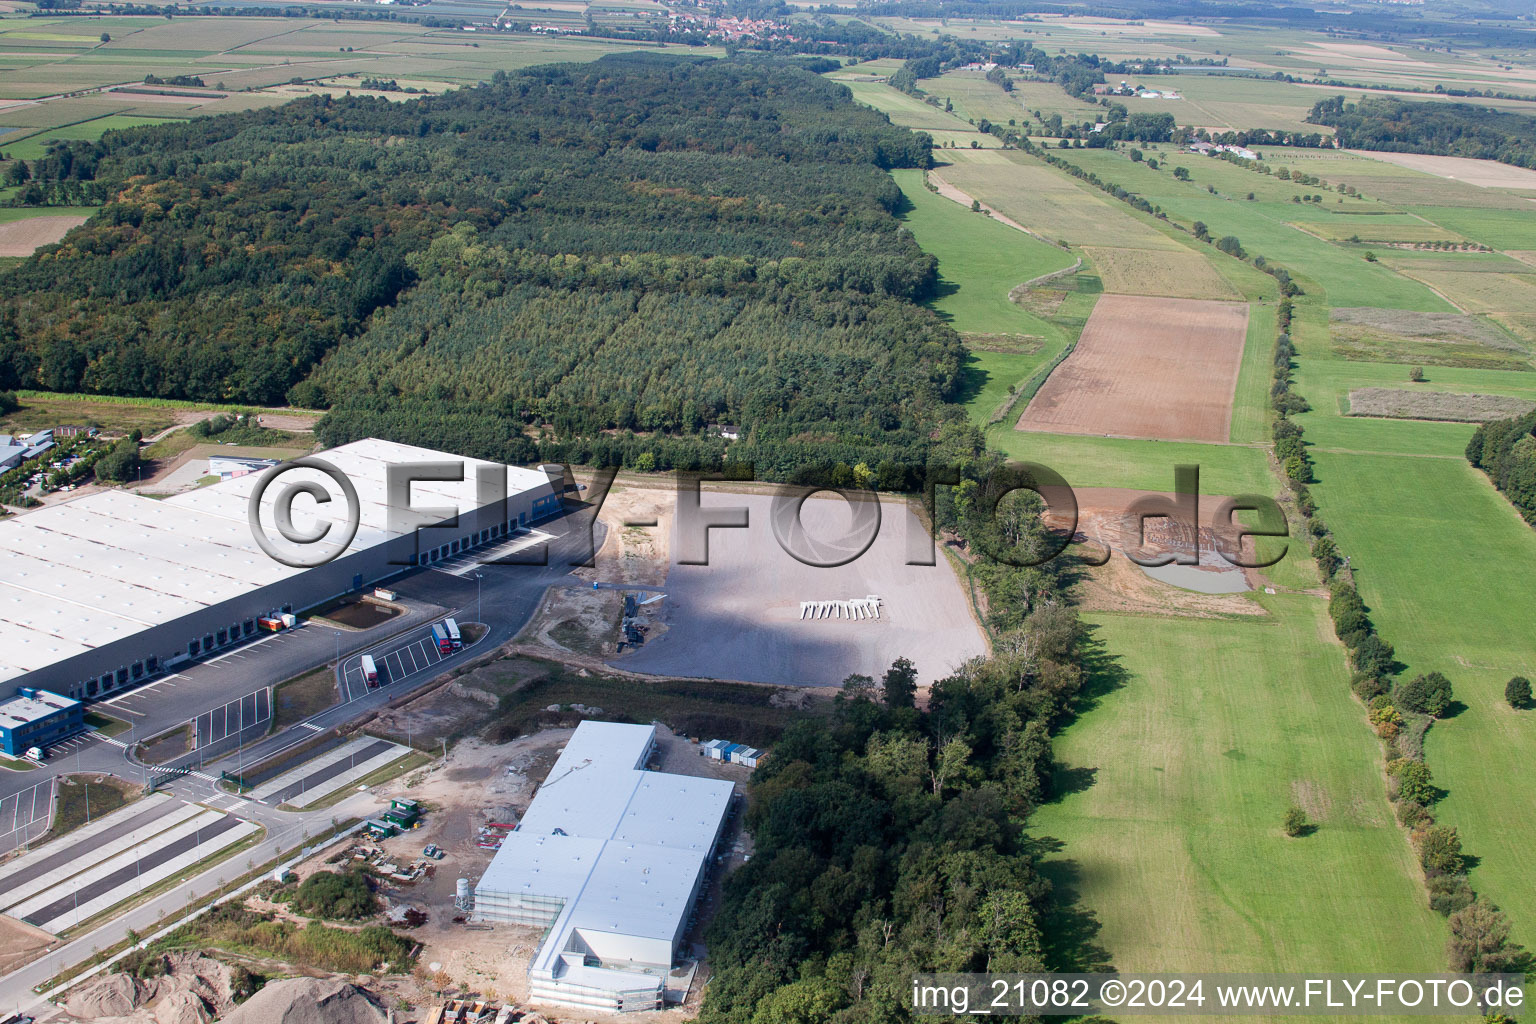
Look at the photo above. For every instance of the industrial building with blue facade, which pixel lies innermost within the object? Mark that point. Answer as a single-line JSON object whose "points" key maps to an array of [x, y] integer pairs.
{"points": [[36, 718], [106, 591]]}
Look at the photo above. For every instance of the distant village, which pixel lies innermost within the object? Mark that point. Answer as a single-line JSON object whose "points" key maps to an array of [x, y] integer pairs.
{"points": [[1139, 91]]}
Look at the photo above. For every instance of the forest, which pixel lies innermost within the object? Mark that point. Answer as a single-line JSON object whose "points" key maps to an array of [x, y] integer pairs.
{"points": [[631, 248], [1440, 129]]}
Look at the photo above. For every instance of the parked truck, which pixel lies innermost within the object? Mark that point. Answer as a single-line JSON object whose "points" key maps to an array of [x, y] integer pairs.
{"points": [[370, 670]]}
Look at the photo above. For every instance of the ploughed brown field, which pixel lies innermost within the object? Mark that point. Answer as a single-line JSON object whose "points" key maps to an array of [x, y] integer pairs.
{"points": [[1147, 367], [21, 237]]}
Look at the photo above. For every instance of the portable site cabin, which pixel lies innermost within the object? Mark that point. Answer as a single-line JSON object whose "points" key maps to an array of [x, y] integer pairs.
{"points": [[402, 812], [380, 829], [737, 753]]}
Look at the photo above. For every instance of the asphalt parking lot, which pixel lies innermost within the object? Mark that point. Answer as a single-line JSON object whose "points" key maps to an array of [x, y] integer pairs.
{"points": [[24, 815], [240, 716]]}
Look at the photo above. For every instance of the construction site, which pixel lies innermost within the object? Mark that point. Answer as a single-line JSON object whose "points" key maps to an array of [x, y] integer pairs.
{"points": [[429, 860], [521, 837], [790, 622]]}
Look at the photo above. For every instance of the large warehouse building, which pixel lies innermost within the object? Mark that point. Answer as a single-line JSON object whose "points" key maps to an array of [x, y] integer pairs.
{"points": [[103, 592], [609, 860]]}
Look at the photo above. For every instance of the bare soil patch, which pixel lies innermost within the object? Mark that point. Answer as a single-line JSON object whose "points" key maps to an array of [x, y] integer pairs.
{"points": [[194, 989], [20, 943], [1403, 404], [1120, 585], [288, 421], [1147, 367], [22, 237], [362, 612], [582, 621]]}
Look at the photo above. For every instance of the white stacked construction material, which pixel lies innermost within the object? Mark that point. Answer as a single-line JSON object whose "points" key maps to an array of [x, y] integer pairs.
{"points": [[858, 608]]}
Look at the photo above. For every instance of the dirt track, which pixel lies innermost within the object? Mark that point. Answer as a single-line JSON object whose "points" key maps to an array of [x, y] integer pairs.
{"points": [[1147, 367], [954, 194]]}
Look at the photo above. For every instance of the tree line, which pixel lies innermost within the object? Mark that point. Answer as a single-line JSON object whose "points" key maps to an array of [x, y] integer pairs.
{"points": [[1506, 451], [891, 840], [1399, 711], [1445, 129]]}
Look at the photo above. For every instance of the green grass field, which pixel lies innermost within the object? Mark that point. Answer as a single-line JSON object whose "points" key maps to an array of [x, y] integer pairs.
{"points": [[1250, 399], [980, 262], [975, 98], [1144, 465], [907, 111], [9, 214], [1445, 565], [1327, 384], [1200, 735]]}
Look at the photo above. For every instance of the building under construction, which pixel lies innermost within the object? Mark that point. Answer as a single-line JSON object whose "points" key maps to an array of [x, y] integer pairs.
{"points": [[609, 861]]}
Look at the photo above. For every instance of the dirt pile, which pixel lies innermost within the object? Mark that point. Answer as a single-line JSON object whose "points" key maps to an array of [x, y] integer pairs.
{"points": [[116, 995], [194, 989], [309, 1001]]}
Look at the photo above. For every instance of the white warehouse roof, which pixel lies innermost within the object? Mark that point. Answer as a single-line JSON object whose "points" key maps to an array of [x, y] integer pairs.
{"points": [[622, 847], [100, 568]]}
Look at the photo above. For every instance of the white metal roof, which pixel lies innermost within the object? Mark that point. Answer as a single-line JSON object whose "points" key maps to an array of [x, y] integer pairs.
{"points": [[543, 864], [91, 571], [637, 889], [652, 833]]}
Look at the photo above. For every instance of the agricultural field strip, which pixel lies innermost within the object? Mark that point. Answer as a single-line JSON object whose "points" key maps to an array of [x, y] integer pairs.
{"points": [[118, 859], [93, 855], [1469, 407], [1147, 367], [1157, 273]]}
